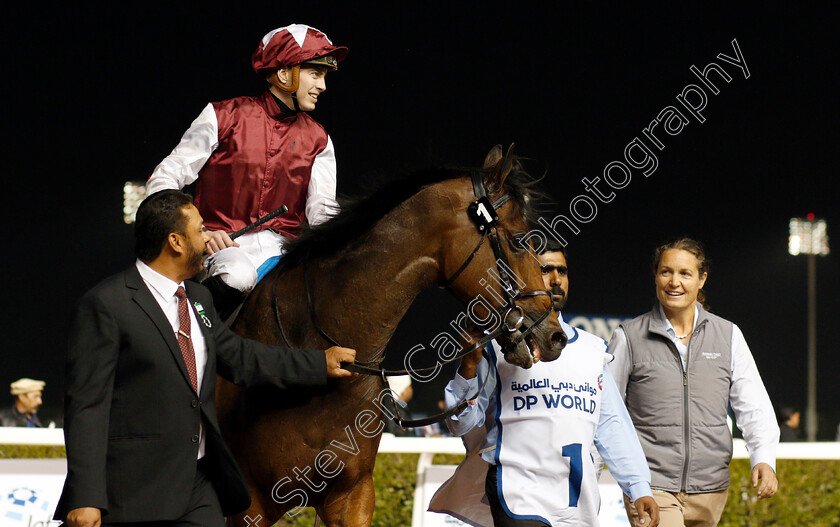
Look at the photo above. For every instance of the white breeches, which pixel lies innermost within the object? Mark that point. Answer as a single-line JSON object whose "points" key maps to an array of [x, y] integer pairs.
{"points": [[237, 266]]}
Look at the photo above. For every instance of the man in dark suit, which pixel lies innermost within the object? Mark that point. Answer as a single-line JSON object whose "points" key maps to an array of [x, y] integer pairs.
{"points": [[143, 441]]}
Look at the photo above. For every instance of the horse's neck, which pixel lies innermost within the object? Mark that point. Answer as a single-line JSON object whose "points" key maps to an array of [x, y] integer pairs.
{"points": [[371, 284]]}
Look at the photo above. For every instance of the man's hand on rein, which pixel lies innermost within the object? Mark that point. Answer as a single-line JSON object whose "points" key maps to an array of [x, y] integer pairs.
{"points": [[469, 364]]}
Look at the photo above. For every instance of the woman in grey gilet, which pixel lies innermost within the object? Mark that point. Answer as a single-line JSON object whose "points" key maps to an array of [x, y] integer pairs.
{"points": [[679, 369]]}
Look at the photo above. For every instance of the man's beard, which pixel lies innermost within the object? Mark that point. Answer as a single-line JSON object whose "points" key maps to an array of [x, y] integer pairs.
{"points": [[196, 261], [558, 303]]}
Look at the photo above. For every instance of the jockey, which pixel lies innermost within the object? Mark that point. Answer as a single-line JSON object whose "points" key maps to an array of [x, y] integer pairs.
{"points": [[249, 155]]}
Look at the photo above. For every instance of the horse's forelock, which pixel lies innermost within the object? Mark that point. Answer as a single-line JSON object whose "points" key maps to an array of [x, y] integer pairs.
{"points": [[524, 190]]}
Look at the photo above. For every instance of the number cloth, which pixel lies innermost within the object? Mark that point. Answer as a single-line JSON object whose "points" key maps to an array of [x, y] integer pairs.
{"points": [[538, 426]]}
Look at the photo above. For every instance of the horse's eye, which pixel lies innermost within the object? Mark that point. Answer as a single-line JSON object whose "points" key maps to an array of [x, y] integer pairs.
{"points": [[519, 242]]}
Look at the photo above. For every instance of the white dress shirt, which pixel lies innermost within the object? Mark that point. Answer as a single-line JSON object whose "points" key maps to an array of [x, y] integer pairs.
{"points": [[163, 290]]}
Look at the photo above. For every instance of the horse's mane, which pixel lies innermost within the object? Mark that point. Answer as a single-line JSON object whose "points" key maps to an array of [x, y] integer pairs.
{"points": [[357, 215]]}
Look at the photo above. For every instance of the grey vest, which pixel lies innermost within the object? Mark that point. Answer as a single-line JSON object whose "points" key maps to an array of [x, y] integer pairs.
{"points": [[680, 416]]}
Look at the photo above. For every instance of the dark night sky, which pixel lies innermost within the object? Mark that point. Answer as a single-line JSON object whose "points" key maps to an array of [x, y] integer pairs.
{"points": [[97, 96]]}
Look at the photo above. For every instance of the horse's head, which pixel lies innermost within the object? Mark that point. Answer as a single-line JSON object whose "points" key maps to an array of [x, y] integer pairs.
{"points": [[486, 264]]}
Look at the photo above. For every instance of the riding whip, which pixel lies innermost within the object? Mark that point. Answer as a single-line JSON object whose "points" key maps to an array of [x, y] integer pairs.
{"points": [[270, 216]]}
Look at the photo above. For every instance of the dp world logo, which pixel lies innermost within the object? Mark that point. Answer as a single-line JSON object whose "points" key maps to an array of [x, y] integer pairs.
{"points": [[24, 506]]}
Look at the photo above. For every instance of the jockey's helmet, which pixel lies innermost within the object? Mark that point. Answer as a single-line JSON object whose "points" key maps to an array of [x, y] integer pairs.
{"points": [[292, 46]]}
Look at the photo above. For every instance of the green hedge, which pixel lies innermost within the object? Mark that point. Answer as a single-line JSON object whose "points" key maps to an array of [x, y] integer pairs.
{"points": [[30, 451], [809, 491], [809, 494]]}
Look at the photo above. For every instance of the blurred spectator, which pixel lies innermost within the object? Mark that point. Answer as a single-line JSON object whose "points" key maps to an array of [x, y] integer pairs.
{"points": [[403, 392], [435, 429], [23, 411], [837, 437], [789, 424]]}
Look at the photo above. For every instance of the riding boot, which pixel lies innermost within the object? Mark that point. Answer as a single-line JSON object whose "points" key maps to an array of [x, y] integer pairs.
{"points": [[227, 299]]}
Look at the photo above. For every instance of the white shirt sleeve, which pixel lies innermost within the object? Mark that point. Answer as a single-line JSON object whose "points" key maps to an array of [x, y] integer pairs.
{"points": [[180, 168], [320, 197], [621, 364], [754, 413], [459, 388], [618, 443]]}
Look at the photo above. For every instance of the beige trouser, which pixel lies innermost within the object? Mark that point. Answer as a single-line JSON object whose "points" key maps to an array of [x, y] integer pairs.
{"points": [[678, 509]]}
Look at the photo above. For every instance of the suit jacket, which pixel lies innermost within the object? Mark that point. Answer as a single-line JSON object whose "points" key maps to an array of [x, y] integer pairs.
{"points": [[132, 417]]}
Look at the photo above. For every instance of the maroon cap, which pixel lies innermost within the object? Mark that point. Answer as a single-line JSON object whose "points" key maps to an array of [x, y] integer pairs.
{"points": [[292, 45]]}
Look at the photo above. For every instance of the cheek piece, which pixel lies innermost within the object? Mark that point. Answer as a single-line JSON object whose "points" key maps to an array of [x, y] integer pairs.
{"points": [[288, 88]]}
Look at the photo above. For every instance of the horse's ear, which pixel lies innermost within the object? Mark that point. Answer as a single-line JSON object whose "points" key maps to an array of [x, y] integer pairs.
{"points": [[506, 167], [493, 157], [499, 167]]}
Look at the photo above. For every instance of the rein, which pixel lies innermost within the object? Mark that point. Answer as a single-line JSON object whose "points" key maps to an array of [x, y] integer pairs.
{"points": [[483, 213]]}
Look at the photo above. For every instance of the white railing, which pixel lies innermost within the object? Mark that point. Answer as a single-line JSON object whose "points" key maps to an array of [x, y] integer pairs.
{"points": [[427, 448], [433, 445], [32, 436]]}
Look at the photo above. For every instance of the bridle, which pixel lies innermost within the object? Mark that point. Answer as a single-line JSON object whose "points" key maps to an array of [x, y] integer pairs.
{"points": [[483, 213]]}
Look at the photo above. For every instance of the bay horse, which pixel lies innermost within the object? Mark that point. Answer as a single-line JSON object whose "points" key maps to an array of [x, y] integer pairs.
{"points": [[359, 273]]}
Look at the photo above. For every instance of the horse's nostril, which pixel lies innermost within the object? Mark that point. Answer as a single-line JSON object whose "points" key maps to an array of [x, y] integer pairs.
{"points": [[558, 338]]}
